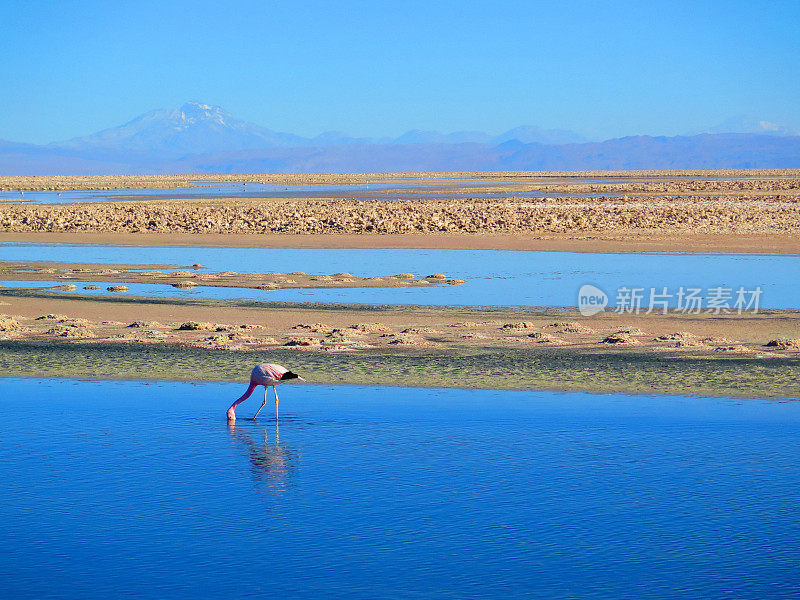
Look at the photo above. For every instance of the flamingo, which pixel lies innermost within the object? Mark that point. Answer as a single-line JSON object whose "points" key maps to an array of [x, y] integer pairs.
{"points": [[268, 375]]}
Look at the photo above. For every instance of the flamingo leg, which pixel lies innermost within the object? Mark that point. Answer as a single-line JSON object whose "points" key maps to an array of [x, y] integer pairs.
{"points": [[276, 402], [263, 403]]}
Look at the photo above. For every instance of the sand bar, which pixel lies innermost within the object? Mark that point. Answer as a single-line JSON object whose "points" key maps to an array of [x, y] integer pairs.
{"points": [[241, 325], [617, 242], [197, 276]]}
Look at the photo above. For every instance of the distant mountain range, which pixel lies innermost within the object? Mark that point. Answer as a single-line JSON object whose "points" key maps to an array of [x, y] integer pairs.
{"points": [[200, 129], [199, 138]]}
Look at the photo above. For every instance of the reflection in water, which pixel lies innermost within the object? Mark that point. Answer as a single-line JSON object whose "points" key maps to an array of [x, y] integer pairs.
{"points": [[271, 463]]}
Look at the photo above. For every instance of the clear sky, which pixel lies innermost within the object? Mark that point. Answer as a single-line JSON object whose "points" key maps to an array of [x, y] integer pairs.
{"points": [[604, 69]]}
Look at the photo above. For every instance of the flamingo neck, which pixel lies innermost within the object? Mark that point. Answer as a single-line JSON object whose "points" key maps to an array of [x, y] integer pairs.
{"points": [[244, 396]]}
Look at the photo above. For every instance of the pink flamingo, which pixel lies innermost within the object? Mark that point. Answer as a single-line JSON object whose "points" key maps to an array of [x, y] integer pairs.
{"points": [[268, 375]]}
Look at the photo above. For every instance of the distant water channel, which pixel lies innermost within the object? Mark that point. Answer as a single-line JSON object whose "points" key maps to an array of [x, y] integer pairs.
{"points": [[402, 190], [494, 277], [407, 188], [202, 190], [142, 490]]}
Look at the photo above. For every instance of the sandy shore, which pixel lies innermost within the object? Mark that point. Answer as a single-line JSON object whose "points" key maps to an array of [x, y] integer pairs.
{"points": [[619, 242], [242, 325], [121, 337]]}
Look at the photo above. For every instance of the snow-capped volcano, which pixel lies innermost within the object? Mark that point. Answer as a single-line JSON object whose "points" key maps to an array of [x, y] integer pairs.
{"points": [[193, 128], [194, 112]]}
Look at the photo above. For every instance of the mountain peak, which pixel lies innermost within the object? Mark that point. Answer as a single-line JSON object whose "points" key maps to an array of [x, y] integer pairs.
{"points": [[192, 128], [192, 105], [194, 112]]}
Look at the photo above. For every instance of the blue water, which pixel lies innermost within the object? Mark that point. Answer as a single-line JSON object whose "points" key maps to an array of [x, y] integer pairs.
{"points": [[494, 277], [238, 190], [141, 490], [367, 191]]}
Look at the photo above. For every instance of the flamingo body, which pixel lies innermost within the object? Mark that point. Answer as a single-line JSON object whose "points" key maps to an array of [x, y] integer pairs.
{"points": [[269, 375]]}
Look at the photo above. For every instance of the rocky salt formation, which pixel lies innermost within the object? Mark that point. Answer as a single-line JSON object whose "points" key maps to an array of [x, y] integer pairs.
{"points": [[686, 210], [8, 323], [303, 342], [196, 326], [519, 326], [783, 344], [733, 349], [622, 339], [545, 338], [676, 336], [370, 327]]}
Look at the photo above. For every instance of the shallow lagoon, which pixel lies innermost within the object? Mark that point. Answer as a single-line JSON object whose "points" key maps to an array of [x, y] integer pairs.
{"points": [[128, 489], [405, 188], [494, 277], [202, 190]]}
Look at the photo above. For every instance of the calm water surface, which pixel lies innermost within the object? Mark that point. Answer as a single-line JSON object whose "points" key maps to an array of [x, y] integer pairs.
{"points": [[127, 489], [494, 277], [244, 190]]}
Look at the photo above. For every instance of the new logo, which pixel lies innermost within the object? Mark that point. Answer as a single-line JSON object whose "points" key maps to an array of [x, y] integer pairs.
{"points": [[591, 300]]}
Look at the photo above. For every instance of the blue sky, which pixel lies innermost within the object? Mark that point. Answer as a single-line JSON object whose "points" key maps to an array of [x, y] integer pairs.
{"points": [[604, 69]]}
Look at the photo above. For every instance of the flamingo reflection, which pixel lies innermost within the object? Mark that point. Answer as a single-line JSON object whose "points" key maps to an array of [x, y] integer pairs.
{"points": [[270, 461]]}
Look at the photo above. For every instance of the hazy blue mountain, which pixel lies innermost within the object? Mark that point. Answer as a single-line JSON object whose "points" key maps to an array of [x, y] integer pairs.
{"points": [[707, 151], [529, 134], [196, 128], [338, 138], [30, 159], [7, 147], [641, 152], [418, 136], [199, 138], [469, 137], [748, 124]]}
